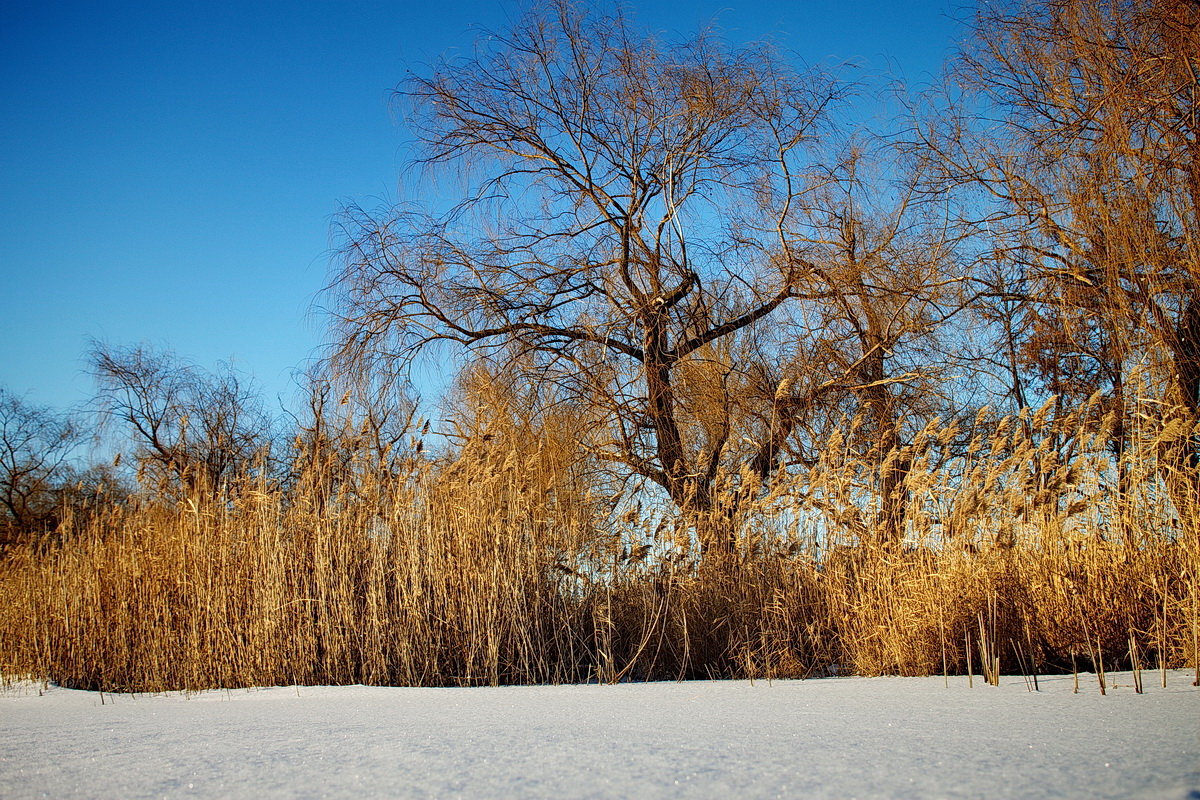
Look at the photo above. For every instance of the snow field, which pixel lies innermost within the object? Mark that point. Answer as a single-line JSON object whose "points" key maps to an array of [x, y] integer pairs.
{"points": [[837, 737]]}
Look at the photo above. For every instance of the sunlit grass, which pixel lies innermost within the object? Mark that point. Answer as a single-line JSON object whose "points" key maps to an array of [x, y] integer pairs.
{"points": [[503, 565]]}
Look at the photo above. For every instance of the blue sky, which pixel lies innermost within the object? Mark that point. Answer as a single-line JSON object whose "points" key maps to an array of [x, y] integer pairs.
{"points": [[169, 172]]}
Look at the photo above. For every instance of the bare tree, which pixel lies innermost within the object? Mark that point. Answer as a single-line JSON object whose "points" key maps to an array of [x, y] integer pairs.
{"points": [[36, 444], [1086, 149], [626, 233], [193, 429], [891, 269]]}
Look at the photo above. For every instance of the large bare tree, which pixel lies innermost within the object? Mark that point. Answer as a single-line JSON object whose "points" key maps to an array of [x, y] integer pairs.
{"points": [[672, 237], [626, 228]]}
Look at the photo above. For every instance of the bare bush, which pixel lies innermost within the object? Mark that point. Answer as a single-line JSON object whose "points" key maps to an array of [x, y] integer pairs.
{"points": [[190, 428]]}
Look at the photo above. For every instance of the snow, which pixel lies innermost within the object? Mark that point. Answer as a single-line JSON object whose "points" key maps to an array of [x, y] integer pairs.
{"points": [[835, 737]]}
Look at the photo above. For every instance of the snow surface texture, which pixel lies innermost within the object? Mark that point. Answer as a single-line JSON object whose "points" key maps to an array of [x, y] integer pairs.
{"points": [[836, 737]]}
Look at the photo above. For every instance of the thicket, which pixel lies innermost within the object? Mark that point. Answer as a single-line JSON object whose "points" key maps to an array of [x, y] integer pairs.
{"points": [[741, 395]]}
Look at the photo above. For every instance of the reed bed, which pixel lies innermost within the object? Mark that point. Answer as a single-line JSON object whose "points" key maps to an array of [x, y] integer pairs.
{"points": [[508, 564]]}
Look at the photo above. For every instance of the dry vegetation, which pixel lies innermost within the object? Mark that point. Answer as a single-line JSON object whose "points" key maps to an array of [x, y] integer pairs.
{"points": [[500, 567], [744, 394]]}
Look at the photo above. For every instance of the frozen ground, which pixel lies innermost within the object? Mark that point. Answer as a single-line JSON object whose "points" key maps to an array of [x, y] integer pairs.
{"points": [[844, 738]]}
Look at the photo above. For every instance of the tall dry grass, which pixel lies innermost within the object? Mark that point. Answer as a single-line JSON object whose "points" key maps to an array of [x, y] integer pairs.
{"points": [[1028, 546]]}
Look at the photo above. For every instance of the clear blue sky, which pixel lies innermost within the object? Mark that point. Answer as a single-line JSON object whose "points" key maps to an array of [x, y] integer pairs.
{"points": [[169, 171]]}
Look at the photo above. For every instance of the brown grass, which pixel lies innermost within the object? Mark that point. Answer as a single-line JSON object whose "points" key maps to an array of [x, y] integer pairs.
{"points": [[507, 565]]}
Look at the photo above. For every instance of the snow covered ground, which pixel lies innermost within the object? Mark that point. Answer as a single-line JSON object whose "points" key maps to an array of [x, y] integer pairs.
{"points": [[844, 737]]}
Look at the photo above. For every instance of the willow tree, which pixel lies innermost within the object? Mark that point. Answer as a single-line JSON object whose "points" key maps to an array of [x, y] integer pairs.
{"points": [[888, 338], [628, 234], [1090, 156]]}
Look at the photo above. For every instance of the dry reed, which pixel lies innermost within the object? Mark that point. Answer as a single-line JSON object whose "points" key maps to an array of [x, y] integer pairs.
{"points": [[507, 564]]}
